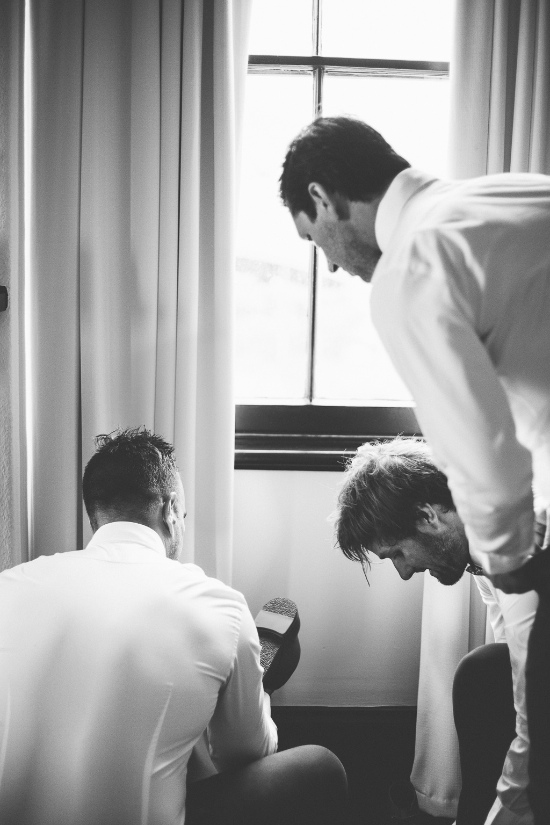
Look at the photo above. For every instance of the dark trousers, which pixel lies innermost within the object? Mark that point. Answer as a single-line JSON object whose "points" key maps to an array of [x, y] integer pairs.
{"points": [[537, 678], [485, 720], [535, 575]]}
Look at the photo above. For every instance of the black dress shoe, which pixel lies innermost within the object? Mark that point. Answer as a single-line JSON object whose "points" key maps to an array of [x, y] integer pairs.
{"points": [[278, 624]]}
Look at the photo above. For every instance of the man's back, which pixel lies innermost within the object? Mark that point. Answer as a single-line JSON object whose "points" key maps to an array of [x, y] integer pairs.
{"points": [[461, 299], [112, 659]]}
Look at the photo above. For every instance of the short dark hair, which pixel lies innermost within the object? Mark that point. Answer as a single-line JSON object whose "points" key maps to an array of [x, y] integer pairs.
{"points": [[385, 484], [129, 471], [343, 154]]}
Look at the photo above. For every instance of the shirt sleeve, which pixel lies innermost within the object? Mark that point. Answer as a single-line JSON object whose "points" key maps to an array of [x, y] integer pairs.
{"points": [[424, 309], [511, 806], [494, 612], [241, 729]]}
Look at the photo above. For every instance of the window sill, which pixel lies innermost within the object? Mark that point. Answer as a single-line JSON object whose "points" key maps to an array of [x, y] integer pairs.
{"points": [[312, 436]]}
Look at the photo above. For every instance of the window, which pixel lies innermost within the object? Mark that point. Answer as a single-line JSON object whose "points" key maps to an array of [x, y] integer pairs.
{"points": [[312, 377]]}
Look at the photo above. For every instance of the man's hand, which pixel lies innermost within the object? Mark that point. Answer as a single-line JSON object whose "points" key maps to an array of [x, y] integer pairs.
{"points": [[517, 581], [535, 573]]}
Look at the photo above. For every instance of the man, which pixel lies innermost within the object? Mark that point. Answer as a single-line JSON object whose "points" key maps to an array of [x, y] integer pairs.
{"points": [[461, 299], [396, 504], [115, 659]]}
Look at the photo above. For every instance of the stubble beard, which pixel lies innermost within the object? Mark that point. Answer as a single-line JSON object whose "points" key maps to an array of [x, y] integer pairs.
{"points": [[367, 264], [454, 557]]}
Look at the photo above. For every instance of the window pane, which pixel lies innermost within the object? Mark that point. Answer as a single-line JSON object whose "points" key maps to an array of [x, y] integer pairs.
{"points": [[350, 361], [272, 284], [411, 113], [281, 27], [388, 29]]}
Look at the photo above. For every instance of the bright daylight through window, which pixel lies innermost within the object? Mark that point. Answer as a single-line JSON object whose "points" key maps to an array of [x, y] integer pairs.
{"points": [[304, 334]]}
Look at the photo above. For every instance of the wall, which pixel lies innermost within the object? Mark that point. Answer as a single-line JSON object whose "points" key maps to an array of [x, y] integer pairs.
{"points": [[360, 644]]}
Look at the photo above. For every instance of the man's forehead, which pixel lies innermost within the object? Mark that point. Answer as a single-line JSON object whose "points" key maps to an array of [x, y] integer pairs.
{"points": [[378, 548]]}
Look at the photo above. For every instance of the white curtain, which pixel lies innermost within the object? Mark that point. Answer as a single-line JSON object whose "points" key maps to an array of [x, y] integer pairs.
{"points": [[13, 537], [136, 106], [500, 109]]}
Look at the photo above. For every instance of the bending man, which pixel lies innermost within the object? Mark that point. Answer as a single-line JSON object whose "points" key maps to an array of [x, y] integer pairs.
{"points": [[461, 298], [396, 504]]}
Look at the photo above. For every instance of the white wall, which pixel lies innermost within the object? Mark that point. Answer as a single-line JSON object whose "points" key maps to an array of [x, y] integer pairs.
{"points": [[360, 644]]}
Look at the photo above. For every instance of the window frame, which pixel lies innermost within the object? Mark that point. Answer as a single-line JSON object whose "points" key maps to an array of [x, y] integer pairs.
{"points": [[310, 434]]}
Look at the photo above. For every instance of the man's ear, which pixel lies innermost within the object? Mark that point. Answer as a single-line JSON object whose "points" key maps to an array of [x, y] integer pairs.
{"points": [[336, 205], [168, 516], [427, 519], [319, 196]]}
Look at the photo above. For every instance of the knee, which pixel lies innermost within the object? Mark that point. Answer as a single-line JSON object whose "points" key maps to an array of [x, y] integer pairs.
{"points": [[480, 669], [322, 768]]}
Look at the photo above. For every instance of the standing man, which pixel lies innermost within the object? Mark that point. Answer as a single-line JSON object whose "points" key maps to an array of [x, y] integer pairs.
{"points": [[115, 659], [461, 299], [395, 504]]}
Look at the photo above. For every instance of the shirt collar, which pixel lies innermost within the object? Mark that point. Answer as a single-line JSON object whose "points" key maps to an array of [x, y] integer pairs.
{"points": [[402, 188], [125, 540], [474, 569]]}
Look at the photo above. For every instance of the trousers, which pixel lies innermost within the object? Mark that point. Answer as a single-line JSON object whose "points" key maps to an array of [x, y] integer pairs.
{"points": [[485, 721], [537, 693]]}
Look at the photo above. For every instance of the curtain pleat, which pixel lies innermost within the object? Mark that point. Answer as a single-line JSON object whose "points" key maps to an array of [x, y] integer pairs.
{"points": [[500, 88], [214, 55], [54, 253], [119, 230], [13, 514], [453, 623]]}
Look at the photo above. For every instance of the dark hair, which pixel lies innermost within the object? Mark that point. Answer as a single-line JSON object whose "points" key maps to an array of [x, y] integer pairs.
{"points": [[130, 470], [384, 485], [342, 154]]}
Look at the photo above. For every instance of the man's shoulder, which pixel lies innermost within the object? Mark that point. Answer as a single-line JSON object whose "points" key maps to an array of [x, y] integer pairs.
{"points": [[193, 572], [41, 562]]}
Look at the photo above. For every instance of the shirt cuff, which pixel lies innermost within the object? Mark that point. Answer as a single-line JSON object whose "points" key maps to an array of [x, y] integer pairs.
{"points": [[499, 815]]}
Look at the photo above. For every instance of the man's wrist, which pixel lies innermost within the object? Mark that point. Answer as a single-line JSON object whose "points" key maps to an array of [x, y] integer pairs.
{"points": [[533, 575]]}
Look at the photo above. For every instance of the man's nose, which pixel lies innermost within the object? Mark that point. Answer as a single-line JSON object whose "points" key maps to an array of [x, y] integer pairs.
{"points": [[332, 267], [405, 570]]}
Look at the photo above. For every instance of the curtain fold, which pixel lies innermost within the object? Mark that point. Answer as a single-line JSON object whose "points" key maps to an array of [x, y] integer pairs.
{"points": [[136, 118], [13, 516], [500, 89], [453, 623], [54, 122]]}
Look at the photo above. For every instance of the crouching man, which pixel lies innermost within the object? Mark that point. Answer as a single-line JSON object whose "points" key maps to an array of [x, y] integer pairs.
{"points": [[115, 659], [395, 504]]}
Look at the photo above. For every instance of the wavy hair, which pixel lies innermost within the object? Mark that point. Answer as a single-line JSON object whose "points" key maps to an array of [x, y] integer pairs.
{"points": [[384, 485]]}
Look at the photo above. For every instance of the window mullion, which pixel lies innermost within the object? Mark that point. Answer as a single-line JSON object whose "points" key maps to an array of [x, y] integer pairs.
{"points": [[312, 323], [316, 26]]}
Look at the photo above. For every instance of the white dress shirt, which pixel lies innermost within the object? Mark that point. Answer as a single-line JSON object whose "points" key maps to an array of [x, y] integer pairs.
{"points": [[511, 617], [461, 300], [113, 662]]}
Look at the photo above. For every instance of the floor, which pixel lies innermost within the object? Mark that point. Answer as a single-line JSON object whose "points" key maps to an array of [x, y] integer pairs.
{"points": [[375, 745]]}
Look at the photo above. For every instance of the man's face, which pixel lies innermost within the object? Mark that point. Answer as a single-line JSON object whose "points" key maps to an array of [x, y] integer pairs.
{"points": [[443, 551], [175, 547], [348, 242]]}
